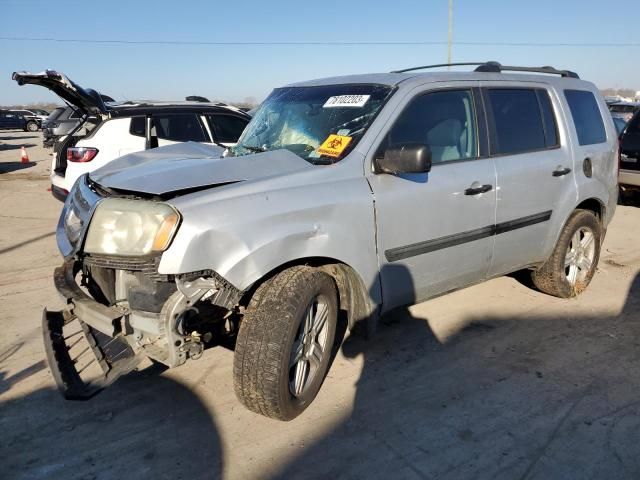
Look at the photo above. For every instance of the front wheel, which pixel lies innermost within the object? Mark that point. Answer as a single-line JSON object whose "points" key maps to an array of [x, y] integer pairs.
{"points": [[32, 127], [573, 263], [285, 342]]}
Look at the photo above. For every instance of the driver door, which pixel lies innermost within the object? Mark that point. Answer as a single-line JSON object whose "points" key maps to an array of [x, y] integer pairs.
{"points": [[435, 230]]}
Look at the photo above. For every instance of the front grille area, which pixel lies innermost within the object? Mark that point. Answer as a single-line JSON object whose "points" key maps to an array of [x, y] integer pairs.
{"points": [[148, 265]]}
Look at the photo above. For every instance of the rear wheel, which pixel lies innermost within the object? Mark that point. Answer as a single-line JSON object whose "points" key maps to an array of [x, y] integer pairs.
{"points": [[32, 126], [573, 263], [285, 342]]}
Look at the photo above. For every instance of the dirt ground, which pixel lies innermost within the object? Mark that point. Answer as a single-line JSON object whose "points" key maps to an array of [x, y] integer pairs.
{"points": [[494, 381]]}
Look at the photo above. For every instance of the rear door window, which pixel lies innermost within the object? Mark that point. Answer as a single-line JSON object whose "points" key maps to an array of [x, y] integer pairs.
{"points": [[226, 128], [586, 117], [518, 122], [179, 127]]}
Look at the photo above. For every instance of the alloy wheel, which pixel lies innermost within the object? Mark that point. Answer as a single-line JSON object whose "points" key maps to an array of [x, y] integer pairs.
{"points": [[309, 347], [580, 255]]}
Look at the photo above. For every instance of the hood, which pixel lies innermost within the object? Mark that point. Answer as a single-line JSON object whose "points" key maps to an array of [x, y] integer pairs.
{"points": [[87, 100], [191, 166]]}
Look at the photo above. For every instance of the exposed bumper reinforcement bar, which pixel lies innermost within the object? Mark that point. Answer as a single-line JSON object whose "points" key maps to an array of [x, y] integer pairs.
{"points": [[102, 318], [96, 339]]}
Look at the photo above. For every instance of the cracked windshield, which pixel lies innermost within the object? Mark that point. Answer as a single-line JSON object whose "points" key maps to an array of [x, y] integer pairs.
{"points": [[320, 124]]}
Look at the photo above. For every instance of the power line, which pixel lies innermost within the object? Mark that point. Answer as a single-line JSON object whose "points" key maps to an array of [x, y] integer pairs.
{"points": [[311, 43]]}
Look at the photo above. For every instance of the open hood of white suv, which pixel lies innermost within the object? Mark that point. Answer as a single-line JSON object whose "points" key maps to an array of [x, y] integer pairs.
{"points": [[87, 100]]}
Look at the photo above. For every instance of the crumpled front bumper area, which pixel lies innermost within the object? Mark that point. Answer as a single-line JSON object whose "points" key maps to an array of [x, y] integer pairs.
{"points": [[82, 347]]}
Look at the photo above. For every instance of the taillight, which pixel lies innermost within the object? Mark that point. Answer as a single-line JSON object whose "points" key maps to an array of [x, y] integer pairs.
{"points": [[619, 155], [81, 154]]}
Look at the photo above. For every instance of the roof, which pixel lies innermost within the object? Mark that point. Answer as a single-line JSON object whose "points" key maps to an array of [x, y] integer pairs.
{"points": [[418, 76]]}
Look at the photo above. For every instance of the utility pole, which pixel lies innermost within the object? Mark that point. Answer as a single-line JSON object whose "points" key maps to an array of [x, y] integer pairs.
{"points": [[450, 32]]}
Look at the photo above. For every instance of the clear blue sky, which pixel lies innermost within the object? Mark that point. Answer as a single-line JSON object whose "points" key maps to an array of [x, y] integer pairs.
{"points": [[233, 72]]}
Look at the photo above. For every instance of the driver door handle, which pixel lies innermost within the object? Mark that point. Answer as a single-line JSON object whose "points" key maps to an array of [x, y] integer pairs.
{"points": [[559, 171], [473, 190]]}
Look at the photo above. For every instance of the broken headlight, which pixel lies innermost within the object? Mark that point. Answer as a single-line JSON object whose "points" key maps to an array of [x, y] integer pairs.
{"points": [[131, 227]]}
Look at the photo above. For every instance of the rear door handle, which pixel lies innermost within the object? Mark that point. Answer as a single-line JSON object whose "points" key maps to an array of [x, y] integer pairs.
{"points": [[473, 190], [559, 171]]}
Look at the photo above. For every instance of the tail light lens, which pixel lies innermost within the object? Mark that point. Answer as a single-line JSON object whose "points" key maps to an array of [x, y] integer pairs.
{"points": [[81, 154]]}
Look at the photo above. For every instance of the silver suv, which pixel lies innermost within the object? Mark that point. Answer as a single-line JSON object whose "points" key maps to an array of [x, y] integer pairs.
{"points": [[343, 199]]}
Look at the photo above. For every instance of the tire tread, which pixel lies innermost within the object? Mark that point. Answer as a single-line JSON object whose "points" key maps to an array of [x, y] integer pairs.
{"points": [[263, 338]]}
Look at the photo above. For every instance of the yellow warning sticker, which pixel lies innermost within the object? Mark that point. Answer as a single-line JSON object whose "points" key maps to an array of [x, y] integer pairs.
{"points": [[334, 145]]}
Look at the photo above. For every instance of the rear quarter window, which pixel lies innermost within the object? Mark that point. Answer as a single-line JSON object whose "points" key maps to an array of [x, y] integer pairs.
{"points": [[226, 128], [586, 117], [179, 127]]}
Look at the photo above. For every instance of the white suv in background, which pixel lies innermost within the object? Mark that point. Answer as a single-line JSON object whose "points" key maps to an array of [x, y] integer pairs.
{"points": [[107, 131]]}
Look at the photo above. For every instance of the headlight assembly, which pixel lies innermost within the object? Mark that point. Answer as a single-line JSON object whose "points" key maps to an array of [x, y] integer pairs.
{"points": [[72, 225], [131, 227]]}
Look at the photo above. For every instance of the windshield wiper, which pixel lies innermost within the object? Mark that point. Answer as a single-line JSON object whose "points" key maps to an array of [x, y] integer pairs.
{"points": [[253, 149]]}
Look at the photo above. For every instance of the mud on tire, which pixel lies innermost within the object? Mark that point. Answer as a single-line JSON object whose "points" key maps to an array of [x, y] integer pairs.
{"points": [[552, 276], [268, 342]]}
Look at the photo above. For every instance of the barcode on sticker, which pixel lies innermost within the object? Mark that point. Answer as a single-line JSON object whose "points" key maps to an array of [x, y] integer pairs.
{"points": [[346, 101]]}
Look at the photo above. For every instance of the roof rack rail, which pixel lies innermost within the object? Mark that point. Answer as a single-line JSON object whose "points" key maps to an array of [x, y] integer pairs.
{"points": [[496, 67], [465, 64]]}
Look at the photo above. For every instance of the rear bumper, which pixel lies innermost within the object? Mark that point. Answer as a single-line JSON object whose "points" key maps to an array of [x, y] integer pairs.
{"points": [[629, 177]]}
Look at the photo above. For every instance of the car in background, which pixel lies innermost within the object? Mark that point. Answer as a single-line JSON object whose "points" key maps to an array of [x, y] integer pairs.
{"points": [[629, 173], [61, 122], [47, 126], [620, 124], [106, 130], [624, 110], [32, 112], [12, 121], [33, 117]]}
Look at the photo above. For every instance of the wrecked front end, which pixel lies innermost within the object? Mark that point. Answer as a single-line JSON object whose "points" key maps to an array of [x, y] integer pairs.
{"points": [[119, 308]]}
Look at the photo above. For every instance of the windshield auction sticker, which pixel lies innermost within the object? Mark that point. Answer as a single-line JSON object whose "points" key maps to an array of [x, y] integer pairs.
{"points": [[346, 101], [334, 145]]}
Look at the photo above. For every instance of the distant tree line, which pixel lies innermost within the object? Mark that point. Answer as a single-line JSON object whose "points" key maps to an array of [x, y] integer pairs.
{"points": [[48, 106], [620, 92]]}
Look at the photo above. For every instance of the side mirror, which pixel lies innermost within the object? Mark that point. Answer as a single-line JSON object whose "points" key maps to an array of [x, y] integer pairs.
{"points": [[405, 158]]}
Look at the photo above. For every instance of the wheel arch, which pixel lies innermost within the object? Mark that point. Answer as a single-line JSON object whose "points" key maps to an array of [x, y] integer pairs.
{"points": [[354, 300], [594, 205]]}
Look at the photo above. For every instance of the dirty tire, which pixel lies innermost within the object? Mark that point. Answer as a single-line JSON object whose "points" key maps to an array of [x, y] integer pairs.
{"points": [[32, 127], [261, 364], [551, 277]]}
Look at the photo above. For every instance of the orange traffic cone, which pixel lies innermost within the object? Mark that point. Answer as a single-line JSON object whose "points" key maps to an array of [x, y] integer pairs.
{"points": [[25, 157]]}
